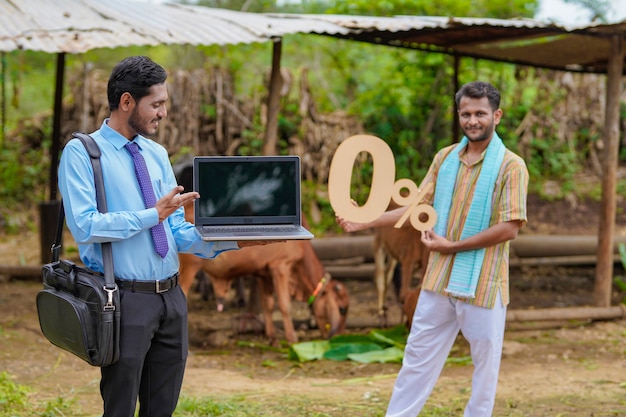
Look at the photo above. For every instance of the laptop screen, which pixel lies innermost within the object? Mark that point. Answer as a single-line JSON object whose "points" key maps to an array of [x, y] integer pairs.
{"points": [[247, 190]]}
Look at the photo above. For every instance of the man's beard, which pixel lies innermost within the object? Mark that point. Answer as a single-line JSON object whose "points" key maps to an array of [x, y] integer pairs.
{"points": [[479, 138], [137, 124], [488, 133]]}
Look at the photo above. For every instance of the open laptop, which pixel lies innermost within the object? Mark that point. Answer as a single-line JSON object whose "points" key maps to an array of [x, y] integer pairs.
{"points": [[248, 198]]}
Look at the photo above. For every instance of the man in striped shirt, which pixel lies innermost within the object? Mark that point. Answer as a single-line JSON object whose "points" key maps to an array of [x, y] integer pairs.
{"points": [[480, 312]]}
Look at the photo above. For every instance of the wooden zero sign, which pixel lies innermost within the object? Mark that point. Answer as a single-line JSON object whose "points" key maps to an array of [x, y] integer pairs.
{"points": [[384, 186]]}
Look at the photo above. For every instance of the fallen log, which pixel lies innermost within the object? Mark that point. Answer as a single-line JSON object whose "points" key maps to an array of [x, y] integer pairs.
{"points": [[364, 271], [524, 246], [558, 260], [344, 247], [346, 272], [23, 272], [532, 246], [569, 313], [551, 317]]}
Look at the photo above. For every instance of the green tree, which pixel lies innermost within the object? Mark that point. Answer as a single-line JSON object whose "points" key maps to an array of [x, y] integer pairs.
{"points": [[502, 9], [255, 6], [406, 96]]}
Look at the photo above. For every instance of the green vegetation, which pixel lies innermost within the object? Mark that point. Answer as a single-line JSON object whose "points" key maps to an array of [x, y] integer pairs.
{"points": [[241, 406], [378, 346], [13, 397], [15, 400]]}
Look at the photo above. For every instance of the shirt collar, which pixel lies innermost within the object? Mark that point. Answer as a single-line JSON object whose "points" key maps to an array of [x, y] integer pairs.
{"points": [[115, 138], [463, 154]]}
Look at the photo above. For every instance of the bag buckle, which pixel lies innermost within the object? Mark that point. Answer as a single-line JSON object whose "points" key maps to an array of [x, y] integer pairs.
{"points": [[55, 251], [109, 306]]}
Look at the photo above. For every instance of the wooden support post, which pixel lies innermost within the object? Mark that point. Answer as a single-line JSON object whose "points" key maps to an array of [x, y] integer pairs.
{"points": [[55, 148], [270, 144], [606, 230], [49, 210], [456, 128]]}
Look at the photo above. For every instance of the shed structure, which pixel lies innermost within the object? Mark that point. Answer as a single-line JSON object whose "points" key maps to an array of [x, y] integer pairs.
{"points": [[76, 26]]}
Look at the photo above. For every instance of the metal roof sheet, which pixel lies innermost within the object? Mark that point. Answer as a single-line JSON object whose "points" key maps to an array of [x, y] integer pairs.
{"points": [[403, 23], [76, 26], [583, 48]]}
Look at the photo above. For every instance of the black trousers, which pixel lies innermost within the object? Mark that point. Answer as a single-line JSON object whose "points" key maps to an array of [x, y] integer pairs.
{"points": [[153, 353]]}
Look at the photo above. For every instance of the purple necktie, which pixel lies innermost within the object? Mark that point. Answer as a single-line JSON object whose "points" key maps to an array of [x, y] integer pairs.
{"points": [[143, 177]]}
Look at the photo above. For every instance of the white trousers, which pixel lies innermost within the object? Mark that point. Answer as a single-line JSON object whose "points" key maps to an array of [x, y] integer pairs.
{"points": [[436, 324]]}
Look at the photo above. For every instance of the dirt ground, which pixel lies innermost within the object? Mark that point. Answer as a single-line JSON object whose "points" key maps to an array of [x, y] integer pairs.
{"points": [[565, 368]]}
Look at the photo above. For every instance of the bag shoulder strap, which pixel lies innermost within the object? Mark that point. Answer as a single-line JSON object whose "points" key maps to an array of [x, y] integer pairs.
{"points": [[94, 154], [107, 252]]}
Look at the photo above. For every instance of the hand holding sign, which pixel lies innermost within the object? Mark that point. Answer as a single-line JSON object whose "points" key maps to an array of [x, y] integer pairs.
{"points": [[384, 187]]}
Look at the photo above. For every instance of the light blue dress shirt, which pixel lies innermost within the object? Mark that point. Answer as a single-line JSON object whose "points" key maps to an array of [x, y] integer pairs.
{"points": [[127, 223]]}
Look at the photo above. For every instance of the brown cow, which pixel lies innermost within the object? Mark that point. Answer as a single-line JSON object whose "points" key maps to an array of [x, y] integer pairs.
{"points": [[190, 264], [281, 269], [393, 245], [286, 269], [409, 305]]}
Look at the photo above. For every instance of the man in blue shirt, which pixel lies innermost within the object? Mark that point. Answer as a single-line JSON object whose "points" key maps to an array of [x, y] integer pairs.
{"points": [[153, 340]]}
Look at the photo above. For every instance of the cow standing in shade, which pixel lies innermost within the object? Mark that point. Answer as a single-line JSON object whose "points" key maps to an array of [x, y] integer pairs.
{"points": [[392, 246], [288, 269]]}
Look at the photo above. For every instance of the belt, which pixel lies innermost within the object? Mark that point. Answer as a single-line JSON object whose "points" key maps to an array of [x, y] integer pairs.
{"points": [[152, 287]]}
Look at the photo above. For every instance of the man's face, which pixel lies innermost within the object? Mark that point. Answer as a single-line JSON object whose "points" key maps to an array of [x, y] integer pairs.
{"points": [[147, 112], [477, 119]]}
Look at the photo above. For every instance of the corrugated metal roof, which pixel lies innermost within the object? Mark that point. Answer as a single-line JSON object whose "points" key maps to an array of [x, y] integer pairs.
{"points": [[396, 24], [76, 26], [582, 48]]}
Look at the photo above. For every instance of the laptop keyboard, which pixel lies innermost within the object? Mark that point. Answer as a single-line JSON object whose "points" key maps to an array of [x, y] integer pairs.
{"points": [[250, 229]]}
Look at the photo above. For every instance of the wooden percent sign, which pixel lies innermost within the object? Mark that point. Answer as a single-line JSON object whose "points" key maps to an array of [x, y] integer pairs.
{"points": [[384, 187]]}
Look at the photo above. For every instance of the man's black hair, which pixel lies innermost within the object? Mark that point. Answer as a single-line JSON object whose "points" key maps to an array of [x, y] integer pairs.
{"points": [[134, 75], [479, 89]]}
